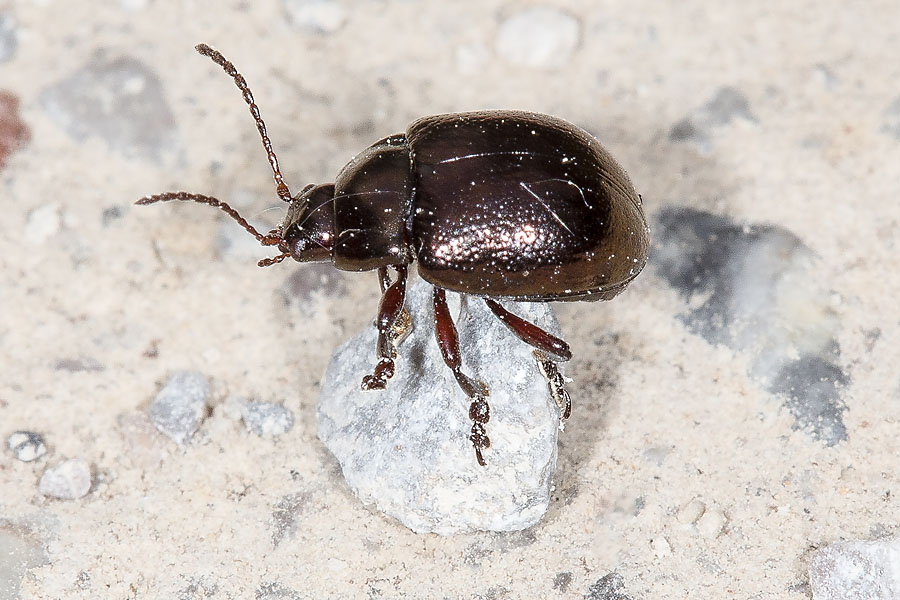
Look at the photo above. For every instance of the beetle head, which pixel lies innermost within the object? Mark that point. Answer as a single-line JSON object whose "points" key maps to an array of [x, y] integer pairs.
{"points": [[307, 231]]}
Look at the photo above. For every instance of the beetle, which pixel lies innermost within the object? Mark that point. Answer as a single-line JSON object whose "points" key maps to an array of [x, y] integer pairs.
{"points": [[499, 204]]}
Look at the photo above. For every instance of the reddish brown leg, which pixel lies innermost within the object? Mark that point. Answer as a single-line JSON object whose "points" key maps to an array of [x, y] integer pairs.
{"points": [[530, 333], [549, 349], [389, 309], [448, 341]]}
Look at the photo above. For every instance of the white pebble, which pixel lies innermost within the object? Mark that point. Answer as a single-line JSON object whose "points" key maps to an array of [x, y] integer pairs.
{"points": [[68, 480], [321, 16], [540, 37], [691, 512], [42, 223], [711, 523], [267, 418], [406, 448], [660, 546], [180, 406], [26, 445]]}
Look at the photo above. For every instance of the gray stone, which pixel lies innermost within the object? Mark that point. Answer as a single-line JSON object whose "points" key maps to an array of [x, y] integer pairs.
{"points": [[146, 446], [727, 105], [609, 587], [541, 37], [119, 100], [761, 293], [406, 448], [891, 119], [79, 364], [276, 591], [26, 445], [856, 570], [562, 581], [20, 550], [8, 38], [69, 480], [319, 16], [267, 418], [180, 406]]}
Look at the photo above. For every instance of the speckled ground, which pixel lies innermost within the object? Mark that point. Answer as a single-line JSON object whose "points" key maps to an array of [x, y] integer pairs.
{"points": [[735, 409]]}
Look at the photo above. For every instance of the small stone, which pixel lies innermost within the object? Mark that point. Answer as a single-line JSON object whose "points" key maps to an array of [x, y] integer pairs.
{"points": [[725, 106], [661, 547], [319, 16], [691, 512], [68, 480], [711, 523], [267, 418], [26, 445], [540, 37], [42, 223], [180, 406], [891, 119], [406, 448], [562, 581], [8, 38], [276, 591], [79, 364], [232, 408], [657, 454], [119, 100], [83, 581], [146, 446], [609, 587], [110, 215], [856, 570]]}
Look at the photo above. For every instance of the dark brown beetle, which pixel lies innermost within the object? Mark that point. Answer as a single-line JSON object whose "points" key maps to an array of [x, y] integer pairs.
{"points": [[497, 204]]}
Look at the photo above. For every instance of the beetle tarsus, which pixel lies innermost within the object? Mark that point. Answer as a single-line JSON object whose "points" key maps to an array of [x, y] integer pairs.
{"points": [[390, 312], [556, 383], [480, 414], [384, 370]]}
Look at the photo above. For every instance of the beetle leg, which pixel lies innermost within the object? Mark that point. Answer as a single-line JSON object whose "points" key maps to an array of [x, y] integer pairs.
{"points": [[448, 341], [403, 323], [384, 279], [557, 384], [389, 310], [530, 333]]}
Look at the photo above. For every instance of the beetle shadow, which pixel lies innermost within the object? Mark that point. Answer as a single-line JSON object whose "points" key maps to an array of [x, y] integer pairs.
{"points": [[594, 405], [667, 170]]}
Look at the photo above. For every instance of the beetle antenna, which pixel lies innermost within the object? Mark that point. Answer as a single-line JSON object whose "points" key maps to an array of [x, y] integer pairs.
{"points": [[265, 240], [268, 262], [283, 192]]}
